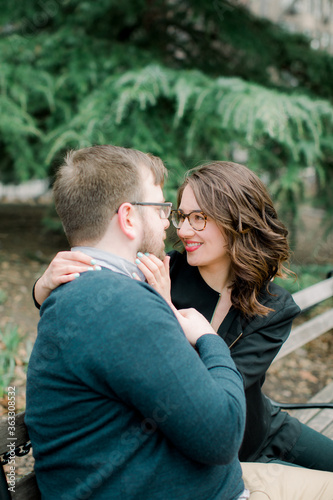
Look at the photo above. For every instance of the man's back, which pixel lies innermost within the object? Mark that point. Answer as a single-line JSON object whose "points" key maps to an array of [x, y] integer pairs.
{"points": [[119, 405]]}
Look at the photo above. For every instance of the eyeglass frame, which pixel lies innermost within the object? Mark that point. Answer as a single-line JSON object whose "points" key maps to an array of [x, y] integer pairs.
{"points": [[166, 204], [187, 216]]}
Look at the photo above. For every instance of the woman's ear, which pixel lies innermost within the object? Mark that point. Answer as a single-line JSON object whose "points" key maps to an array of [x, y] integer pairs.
{"points": [[127, 220]]}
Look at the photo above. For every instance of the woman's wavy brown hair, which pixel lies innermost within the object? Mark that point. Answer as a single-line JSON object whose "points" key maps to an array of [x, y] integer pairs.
{"points": [[236, 199]]}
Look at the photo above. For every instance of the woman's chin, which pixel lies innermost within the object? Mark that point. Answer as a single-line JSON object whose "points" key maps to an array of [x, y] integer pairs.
{"points": [[192, 259]]}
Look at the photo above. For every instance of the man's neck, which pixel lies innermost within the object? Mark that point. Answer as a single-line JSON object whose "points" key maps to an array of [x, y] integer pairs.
{"points": [[116, 263]]}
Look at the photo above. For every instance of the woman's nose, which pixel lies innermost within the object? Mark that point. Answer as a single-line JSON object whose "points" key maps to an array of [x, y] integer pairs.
{"points": [[185, 229]]}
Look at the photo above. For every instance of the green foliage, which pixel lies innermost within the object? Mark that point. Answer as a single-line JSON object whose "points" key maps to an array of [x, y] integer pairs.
{"points": [[188, 81], [307, 275], [9, 340]]}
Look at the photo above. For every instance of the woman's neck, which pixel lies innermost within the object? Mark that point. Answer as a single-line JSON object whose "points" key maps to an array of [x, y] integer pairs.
{"points": [[217, 277]]}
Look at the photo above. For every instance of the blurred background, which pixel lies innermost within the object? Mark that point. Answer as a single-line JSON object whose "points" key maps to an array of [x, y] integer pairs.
{"points": [[249, 81]]}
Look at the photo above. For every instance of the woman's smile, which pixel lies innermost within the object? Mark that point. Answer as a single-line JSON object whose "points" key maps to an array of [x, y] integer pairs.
{"points": [[191, 246]]}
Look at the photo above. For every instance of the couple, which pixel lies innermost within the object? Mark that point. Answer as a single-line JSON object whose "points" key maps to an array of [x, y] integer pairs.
{"points": [[128, 397]]}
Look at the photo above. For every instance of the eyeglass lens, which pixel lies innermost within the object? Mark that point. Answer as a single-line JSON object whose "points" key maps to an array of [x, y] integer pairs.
{"points": [[164, 209], [196, 220], [165, 212]]}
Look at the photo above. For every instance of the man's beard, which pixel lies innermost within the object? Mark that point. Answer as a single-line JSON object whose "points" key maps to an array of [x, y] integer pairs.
{"points": [[151, 243]]}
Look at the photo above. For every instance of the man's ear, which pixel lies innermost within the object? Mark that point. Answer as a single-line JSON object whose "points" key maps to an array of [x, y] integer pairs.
{"points": [[127, 220]]}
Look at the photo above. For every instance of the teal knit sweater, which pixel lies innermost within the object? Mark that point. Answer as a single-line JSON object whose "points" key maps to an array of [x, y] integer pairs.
{"points": [[120, 406]]}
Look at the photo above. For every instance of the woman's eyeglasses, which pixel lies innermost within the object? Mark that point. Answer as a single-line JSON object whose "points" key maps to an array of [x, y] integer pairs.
{"points": [[197, 219]]}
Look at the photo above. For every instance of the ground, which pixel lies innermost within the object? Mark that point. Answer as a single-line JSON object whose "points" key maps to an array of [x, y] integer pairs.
{"points": [[25, 251]]}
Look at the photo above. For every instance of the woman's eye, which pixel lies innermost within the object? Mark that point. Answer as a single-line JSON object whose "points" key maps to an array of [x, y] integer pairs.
{"points": [[198, 217]]}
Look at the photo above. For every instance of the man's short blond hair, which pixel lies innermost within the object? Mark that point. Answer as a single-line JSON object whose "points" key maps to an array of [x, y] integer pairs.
{"points": [[93, 182]]}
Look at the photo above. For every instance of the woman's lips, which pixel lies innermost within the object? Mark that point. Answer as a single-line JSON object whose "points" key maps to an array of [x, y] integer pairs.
{"points": [[191, 246]]}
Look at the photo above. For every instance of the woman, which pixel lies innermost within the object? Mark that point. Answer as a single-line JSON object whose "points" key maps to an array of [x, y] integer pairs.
{"points": [[234, 245]]}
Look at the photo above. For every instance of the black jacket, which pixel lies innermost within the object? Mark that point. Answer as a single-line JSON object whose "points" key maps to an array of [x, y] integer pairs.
{"points": [[253, 345]]}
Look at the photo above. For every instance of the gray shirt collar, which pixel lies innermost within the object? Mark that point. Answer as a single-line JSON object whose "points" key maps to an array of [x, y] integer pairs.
{"points": [[111, 261]]}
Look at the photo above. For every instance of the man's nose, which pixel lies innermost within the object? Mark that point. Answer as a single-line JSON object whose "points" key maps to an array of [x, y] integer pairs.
{"points": [[166, 223]]}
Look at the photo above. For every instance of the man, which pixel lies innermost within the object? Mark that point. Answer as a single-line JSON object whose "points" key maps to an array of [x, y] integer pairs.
{"points": [[119, 403]]}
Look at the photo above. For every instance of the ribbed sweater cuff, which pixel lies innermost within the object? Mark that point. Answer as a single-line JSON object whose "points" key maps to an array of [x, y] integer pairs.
{"points": [[214, 351]]}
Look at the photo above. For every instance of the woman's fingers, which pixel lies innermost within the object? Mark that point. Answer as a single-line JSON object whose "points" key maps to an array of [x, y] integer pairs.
{"points": [[81, 257], [65, 267], [151, 266], [166, 263], [71, 260], [156, 273]]}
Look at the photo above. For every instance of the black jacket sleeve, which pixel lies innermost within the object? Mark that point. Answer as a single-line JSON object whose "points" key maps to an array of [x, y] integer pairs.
{"points": [[263, 337]]}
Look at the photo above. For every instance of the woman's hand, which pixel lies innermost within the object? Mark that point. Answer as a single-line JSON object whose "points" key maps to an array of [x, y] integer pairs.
{"points": [[65, 267], [194, 324], [156, 272]]}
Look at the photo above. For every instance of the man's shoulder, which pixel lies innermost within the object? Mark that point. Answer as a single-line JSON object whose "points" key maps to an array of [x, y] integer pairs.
{"points": [[104, 291], [90, 283]]}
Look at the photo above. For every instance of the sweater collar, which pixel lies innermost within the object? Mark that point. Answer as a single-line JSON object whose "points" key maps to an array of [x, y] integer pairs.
{"points": [[111, 261]]}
